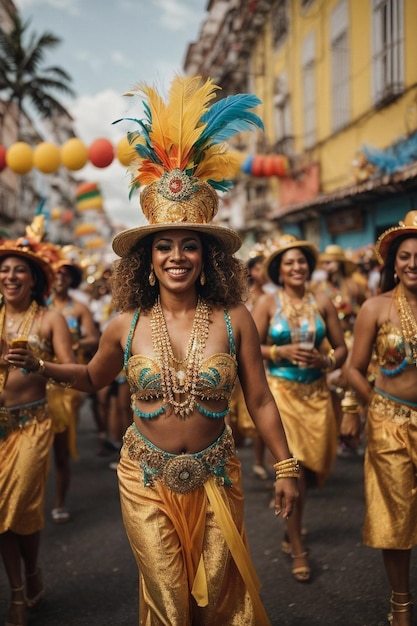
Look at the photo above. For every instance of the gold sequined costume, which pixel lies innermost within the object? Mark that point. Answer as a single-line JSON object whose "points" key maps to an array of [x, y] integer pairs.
{"points": [[25, 441], [190, 547], [391, 474]]}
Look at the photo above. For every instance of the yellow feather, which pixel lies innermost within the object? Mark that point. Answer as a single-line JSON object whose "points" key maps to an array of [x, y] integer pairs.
{"points": [[160, 123], [218, 164], [187, 103]]}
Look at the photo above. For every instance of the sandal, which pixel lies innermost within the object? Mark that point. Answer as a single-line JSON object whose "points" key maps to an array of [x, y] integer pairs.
{"points": [[259, 472], [400, 607], [19, 614], [60, 516], [286, 545], [32, 602], [302, 573]]}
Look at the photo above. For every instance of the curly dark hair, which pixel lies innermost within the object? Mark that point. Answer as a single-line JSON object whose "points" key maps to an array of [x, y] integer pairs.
{"points": [[387, 281], [226, 277]]}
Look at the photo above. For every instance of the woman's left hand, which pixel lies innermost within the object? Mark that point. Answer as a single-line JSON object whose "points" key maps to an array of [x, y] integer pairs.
{"points": [[286, 494], [23, 358]]}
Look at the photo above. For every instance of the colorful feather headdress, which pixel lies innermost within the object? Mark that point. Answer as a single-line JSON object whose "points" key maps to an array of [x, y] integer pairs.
{"points": [[183, 158]]}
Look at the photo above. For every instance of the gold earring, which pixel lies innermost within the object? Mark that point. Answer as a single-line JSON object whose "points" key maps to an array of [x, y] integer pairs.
{"points": [[152, 278], [202, 278]]}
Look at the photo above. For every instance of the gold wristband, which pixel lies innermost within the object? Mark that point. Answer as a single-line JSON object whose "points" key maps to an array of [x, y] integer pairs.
{"points": [[41, 367], [273, 352], [288, 468]]}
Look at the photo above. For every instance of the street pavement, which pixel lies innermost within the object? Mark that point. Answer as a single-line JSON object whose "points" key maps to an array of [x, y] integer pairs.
{"points": [[91, 577]]}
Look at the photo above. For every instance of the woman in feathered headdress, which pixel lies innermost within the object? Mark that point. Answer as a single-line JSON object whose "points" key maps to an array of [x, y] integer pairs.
{"points": [[184, 335]]}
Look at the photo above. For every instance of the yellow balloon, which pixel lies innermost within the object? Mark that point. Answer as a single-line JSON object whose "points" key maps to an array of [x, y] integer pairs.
{"points": [[74, 154], [56, 213], [125, 152], [19, 157], [47, 157]]}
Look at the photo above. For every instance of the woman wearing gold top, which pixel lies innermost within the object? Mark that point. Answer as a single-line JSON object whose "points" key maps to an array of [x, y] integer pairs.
{"points": [[25, 427], [183, 335], [297, 371], [388, 323]]}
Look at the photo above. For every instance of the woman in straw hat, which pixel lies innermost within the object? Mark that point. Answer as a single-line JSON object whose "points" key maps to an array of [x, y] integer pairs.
{"points": [[347, 295], [25, 427], [388, 324], [184, 334], [297, 372]]}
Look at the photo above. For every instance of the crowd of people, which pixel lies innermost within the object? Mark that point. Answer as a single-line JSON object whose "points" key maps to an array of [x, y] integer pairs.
{"points": [[185, 352]]}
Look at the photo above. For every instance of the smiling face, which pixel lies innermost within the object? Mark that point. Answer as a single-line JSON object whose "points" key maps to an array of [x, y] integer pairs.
{"points": [[177, 258], [406, 263], [294, 270], [16, 280]]}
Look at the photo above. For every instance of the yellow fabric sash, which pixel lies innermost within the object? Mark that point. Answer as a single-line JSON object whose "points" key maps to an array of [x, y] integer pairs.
{"points": [[239, 554]]}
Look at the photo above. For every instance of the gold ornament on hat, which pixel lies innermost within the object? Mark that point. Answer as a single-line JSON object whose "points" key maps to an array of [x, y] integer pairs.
{"points": [[182, 158]]}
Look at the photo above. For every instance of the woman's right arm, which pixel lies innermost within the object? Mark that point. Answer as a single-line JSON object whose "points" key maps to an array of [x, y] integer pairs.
{"points": [[99, 372]]}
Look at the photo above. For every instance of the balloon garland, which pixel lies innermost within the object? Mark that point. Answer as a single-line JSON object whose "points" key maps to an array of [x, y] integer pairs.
{"points": [[20, 157]]}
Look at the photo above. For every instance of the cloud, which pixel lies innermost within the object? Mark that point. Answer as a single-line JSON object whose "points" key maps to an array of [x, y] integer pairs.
{"points": [[71, 7], [176, 15]]}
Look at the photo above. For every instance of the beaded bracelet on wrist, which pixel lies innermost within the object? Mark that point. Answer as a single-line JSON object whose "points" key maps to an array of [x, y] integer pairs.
{"points": [[288, 468]]}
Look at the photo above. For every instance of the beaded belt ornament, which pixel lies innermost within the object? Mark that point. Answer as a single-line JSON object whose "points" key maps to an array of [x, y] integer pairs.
{"points": [[181, 473], [20, 417]]}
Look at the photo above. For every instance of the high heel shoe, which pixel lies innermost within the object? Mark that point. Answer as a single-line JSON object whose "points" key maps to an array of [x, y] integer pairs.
{"points": [[399, 607], [32, 602], [21, 619], [302, 573]]}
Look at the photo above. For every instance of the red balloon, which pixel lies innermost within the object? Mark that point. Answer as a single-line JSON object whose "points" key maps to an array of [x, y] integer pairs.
{"points": [[3, 162], [280, 166], [258, 165], [268, 166], [101, 152]]}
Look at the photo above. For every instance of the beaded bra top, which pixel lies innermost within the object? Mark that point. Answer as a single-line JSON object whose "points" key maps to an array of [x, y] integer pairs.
{"points": [[391, 349], [216, 377]]}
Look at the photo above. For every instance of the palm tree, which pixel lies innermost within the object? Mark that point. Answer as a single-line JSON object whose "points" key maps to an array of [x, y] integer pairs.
{"points": [[22, 76]]}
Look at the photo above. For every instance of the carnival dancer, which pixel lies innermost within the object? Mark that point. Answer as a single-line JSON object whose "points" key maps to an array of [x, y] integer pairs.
{"points": [[64, 404], [25, 426], [388, 324], [184, 334], [293, 324]]}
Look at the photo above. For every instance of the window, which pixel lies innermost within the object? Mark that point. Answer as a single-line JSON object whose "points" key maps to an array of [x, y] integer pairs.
{"points": [[282, 116], [309, 90], [388, 49], [339, 52], [279, 21]]}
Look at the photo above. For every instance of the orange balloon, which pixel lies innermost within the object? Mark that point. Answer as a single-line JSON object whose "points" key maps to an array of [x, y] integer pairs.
{"points": [[19, 157], [101, 152], [47, 157], [74, 154], [125, 151]]}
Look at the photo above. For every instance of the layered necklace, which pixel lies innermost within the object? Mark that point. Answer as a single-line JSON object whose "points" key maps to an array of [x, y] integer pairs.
{"points": [[23, 330], [298, 314], [179, 377], [407, 321]]}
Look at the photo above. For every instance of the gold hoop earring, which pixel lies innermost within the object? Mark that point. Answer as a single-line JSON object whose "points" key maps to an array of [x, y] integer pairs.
{"points": [[152, 278], [202, 278]]}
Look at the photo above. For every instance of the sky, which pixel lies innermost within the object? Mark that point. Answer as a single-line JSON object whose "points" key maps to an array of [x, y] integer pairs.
{"points": [[107, 47]]}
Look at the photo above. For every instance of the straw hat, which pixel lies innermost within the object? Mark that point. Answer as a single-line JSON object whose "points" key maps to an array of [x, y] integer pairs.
{"points": [[287, 242], [336, 253], [408, 226], [32, 248], [182, 159]]}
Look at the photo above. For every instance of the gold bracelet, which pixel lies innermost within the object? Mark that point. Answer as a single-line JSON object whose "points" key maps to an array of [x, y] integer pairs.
{"points": [[41, 367], [349, 403], [273, 352], [288, 468]]}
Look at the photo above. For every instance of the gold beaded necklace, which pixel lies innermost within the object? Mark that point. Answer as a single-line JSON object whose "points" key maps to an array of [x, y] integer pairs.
{"points": [[298, 313], [23, 331], [182, 380], [407, 320]]}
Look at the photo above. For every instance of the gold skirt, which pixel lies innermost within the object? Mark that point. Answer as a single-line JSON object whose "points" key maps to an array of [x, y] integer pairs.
{"points": [[390, 475], [309, 422], [24, 466], [64, 404], [190, 548]]}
